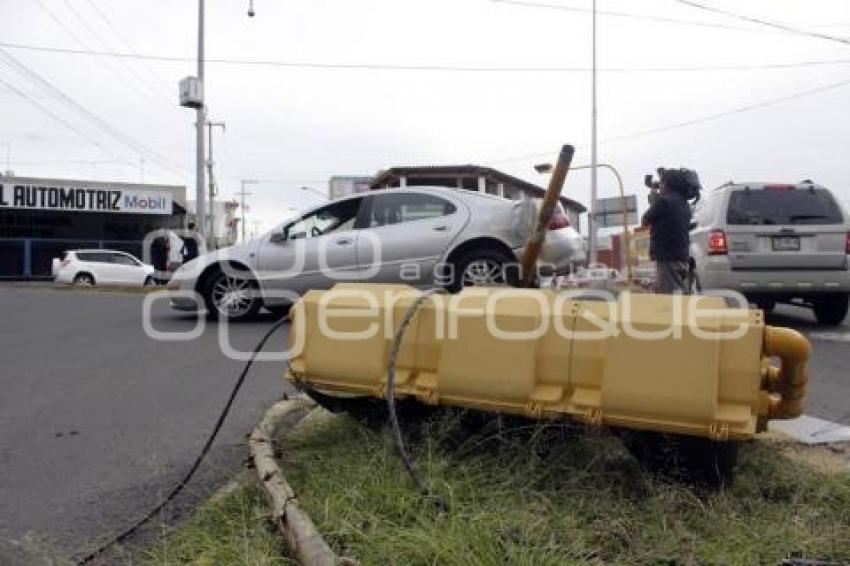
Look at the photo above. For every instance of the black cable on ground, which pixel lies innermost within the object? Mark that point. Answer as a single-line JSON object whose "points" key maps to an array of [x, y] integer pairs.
{"points": [[121, 537], [409, 464]]}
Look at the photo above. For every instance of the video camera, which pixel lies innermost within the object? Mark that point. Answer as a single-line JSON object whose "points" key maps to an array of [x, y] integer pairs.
{"points": [[684, 181]]}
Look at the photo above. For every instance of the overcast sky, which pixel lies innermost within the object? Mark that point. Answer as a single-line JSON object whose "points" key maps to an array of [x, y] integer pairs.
{"points": [[298, 126]]}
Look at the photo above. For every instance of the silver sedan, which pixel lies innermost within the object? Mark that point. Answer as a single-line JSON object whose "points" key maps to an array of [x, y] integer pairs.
{"points": [[420, 236]]}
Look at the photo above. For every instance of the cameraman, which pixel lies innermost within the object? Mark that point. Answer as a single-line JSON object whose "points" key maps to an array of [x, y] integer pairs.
{"points": [[669, 219]]}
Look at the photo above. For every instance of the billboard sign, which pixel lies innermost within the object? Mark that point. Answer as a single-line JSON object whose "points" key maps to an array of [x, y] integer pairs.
{"points": [[79, 198], [609, 211]]}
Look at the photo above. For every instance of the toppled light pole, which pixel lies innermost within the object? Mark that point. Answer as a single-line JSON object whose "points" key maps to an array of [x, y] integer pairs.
{"points": [[553, 193]]}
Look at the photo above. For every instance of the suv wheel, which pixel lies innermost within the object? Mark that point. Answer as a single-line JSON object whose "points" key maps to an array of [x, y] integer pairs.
{"points": [[231, 295], [831, 310]]}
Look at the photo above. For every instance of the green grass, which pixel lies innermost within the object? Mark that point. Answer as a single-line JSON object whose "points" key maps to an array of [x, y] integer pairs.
{"points": [[554, 495], [225, 531]]}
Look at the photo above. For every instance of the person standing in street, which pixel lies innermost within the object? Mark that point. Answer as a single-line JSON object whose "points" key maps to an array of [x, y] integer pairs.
{"points": [[160, 250], [189, 251], [669, 219]]}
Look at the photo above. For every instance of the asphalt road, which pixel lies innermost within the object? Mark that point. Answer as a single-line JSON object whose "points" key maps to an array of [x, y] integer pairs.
{"points": [[98, 421]]}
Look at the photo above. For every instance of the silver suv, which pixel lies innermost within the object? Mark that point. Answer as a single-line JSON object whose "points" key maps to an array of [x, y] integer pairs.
{"points": [[775, 243]]}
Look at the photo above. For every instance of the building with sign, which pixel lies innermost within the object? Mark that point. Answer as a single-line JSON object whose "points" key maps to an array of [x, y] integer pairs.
{"points": [[344, 185], [40, 218]]}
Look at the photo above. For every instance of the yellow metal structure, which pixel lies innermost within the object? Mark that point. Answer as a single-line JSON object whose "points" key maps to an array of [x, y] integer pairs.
{"points": [[681, 364]]}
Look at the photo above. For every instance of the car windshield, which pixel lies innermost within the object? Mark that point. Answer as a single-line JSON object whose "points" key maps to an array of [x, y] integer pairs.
{"points": [[338, 216], [783, 205]]}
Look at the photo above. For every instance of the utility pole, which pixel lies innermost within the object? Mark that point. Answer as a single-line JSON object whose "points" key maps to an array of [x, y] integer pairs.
{"points": [[192, 96], [211, 204], [591, 224], [242, 195], [8, 170], [200, 121]]}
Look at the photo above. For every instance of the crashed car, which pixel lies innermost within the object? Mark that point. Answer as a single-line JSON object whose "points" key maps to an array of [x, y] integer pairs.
{"points": [[420, 236]]}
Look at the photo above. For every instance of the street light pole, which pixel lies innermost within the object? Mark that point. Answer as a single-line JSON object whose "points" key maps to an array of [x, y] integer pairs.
{"points": [[210, 163], [591, 225], [242, 195], [200, 122]]}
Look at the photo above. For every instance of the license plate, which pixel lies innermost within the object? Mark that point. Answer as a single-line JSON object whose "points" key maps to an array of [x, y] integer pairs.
{"points": [[786, 244]]}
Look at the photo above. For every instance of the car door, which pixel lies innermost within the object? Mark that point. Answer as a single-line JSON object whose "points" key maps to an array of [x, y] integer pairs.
{"points": [[127, 269], [405, 233], [102, 268], [314, 251], [89, 262]]}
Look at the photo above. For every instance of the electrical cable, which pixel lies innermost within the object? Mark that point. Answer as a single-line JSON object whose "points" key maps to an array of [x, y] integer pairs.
{"points": [[424, 67], [664, 19], [54, 115], [683, 124], [398, 439], [57, 93], [763, 22], [93, 33], [122, 536], [162, 85]]}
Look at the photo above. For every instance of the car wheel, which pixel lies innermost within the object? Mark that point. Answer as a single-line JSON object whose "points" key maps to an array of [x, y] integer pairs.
{"points": [[481, 267], [84, 279], [831, 310], [231, 296]]}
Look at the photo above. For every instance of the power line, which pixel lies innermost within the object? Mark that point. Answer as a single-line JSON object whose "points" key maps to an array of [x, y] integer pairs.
{"points": [[54, 115], [768, 23], [165, 88], [692, 122], [81, 110], [628, 15], [68, 30], [447, 68]]}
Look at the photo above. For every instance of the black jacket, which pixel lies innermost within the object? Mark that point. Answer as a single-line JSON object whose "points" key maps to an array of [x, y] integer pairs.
{"points": [[669, 219]]}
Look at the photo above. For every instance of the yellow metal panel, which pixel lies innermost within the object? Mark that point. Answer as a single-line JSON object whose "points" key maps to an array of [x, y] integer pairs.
{"points": [[541, 353]]}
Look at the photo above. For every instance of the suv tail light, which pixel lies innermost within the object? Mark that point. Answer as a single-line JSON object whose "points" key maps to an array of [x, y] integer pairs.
{"points": [[558, 220], [717, 244]]}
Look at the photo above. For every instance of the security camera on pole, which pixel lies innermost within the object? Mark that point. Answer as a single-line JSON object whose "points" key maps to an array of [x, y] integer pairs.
{"points": [[192, 96]]}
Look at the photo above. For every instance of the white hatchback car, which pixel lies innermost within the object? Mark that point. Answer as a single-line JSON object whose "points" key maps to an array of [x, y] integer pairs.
{"points": [[101, 267]]}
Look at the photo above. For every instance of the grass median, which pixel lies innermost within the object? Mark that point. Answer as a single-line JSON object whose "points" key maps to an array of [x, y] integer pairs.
{"points": [[527, 494]]}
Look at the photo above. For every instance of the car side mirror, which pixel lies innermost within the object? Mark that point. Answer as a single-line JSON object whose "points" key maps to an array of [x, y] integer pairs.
{"points": [[279, 237]]}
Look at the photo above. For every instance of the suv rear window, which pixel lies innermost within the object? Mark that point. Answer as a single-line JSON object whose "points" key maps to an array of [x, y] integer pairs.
{"points": [[783, 205]]}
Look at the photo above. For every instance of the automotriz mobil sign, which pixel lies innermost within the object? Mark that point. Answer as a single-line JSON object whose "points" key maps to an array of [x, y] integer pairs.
{"points": [[80, 198]]}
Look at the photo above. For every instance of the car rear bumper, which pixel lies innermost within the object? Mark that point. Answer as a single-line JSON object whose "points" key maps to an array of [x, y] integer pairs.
{"points": [[716, 273]]}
